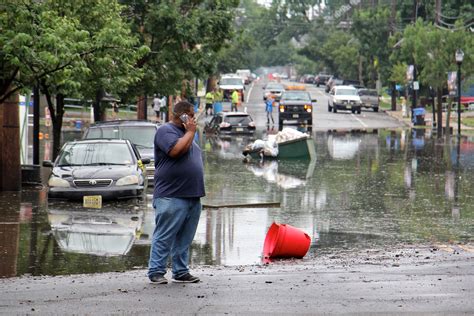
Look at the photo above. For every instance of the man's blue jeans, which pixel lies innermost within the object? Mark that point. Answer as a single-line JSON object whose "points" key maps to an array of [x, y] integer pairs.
{"points": [[176, 221]]}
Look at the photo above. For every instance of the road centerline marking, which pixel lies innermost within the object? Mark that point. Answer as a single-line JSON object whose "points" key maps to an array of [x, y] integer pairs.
{"points": [[359, 120]]}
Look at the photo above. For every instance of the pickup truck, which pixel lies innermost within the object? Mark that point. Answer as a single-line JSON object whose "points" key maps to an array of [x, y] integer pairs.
{"points": [[296, 106], [370, 99]]}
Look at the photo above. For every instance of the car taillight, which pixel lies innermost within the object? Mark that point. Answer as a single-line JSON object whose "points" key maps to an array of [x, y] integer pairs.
{"points": [[308, 108], [251, 124], [224, 124], [282, 108]]}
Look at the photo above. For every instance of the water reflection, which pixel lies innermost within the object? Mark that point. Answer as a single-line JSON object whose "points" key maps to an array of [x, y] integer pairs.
{"points": [[343, 146], [287, 174], [104, 232], [364, 190]]}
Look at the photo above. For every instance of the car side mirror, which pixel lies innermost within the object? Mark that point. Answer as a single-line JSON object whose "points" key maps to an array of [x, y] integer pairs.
{"points": [[47, 163], [146, 161], [314, 100]]}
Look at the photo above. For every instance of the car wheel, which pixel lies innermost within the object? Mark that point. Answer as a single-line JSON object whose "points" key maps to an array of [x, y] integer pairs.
{"points": [[376, 109]]}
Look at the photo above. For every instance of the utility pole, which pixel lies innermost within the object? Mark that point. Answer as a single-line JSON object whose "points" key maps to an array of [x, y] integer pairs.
{"points": [[36, 124], [393, 14]]}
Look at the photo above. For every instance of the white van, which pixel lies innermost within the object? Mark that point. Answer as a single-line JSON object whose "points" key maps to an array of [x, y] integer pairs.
{"points": [[229, 83], [245, 74]]}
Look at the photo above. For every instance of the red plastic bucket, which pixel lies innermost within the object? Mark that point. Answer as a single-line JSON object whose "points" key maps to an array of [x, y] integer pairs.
{"points": [[285, 241]]}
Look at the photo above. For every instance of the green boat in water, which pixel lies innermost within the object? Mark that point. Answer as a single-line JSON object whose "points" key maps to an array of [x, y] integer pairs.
{"points": [[300, 148]]}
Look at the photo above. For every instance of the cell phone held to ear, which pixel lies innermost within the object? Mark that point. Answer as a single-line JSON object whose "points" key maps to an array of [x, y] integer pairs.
{"points": [[184, 118]]}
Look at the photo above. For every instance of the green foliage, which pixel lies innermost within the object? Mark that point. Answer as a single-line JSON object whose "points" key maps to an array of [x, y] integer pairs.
{"points": [[184, 37], [433, 51]]}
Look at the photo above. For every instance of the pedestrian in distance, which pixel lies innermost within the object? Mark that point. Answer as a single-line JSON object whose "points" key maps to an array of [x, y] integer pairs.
{"points": [[163, 108], [115, 110], [218, 98], [178, 188], [157, 107], [209, 102], [235, 98], [269, 109]]}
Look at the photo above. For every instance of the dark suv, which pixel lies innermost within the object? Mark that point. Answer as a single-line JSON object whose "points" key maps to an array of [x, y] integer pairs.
{"points": [[295, 106], [321, 79], [139, 132]]}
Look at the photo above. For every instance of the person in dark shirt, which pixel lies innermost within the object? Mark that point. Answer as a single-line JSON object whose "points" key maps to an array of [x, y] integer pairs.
{"points": [[178, 188]]}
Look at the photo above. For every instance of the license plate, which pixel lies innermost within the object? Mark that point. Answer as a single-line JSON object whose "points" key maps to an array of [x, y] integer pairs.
{"points": [[239, 129], [296, 115], [92, 201]]}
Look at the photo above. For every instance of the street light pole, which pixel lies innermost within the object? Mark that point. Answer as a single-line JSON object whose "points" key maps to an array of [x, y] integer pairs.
{"points": [[459, 58]]}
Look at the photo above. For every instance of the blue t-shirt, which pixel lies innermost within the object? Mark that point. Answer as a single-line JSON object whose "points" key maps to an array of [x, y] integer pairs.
{"points": [[181, 177], [269, 105]]}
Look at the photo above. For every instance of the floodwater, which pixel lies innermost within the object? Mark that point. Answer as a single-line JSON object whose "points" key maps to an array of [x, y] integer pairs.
{"points": [[363, 191]]}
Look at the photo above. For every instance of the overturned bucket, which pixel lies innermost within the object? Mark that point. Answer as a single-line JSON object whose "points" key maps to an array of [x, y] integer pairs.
{"points": [[285, 241]]}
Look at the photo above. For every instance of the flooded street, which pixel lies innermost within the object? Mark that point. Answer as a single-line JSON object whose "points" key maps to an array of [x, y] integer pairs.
{"points": [[364, 191]]}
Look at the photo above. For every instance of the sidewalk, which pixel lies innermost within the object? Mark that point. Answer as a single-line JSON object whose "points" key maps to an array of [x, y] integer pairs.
{"points": [[432, 279], [429, 119]]}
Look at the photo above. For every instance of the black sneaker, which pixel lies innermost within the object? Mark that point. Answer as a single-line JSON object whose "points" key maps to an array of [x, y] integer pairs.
{"points": [[158, 279], [186, 278]]}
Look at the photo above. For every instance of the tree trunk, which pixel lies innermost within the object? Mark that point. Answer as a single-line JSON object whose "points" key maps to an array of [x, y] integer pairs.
{"points": [[141, 107], [394, 97], [10, 167], [439, 120], [361, 70], [448, 114], [98, 115], [56, 118]]}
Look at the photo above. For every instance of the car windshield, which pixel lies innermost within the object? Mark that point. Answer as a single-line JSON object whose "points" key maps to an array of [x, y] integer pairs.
{"points": [[296, 96], [274, 86], [141, 136], [230, 82], [346, 92], [237, 119], [95, 154]]}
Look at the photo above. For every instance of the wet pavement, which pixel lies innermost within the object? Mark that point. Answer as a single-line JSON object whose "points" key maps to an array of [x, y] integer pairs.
{"points": [[365, 191]]}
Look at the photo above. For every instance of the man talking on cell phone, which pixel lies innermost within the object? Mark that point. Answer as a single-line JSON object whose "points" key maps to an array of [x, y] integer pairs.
{"points": [[179, 186]]}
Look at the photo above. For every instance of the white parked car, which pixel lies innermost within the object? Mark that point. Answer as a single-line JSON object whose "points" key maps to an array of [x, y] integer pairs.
{"points": [[344, 98]]}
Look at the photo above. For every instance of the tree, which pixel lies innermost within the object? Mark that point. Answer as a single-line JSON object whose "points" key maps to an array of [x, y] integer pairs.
{"points": [[433, 51], [184, 37]]}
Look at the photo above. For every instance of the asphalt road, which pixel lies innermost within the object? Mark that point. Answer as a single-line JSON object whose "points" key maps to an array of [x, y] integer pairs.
{"points": [[429, 280], [322, 119]]}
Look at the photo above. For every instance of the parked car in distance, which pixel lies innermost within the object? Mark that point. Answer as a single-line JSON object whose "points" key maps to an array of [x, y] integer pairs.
{"points": [[109, 168], [321, 79], [140, 132], [370, 99], [344, 98], [227, 123], [295, 105], [349, 82], [274, 89], [230, 82], [467, 97], [245, 74], [332, 82], [308, 78]]}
